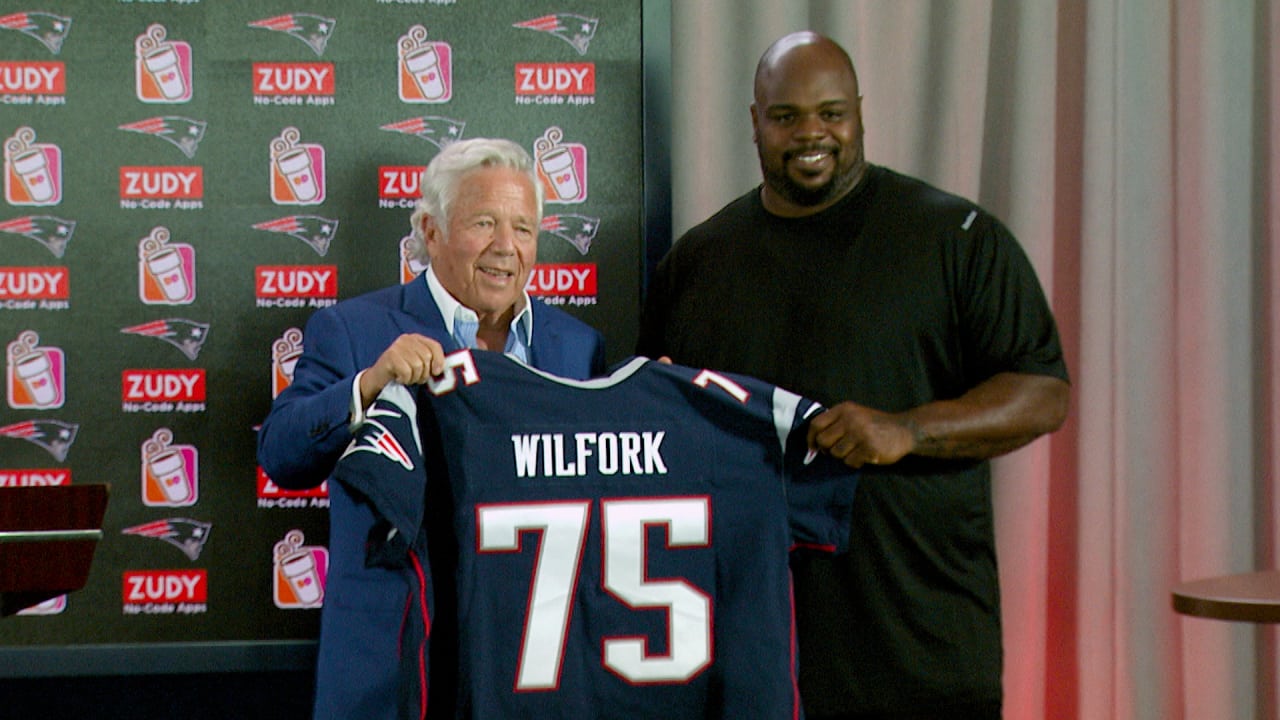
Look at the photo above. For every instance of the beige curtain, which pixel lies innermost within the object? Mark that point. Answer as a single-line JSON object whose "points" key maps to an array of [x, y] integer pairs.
{"points": [[1129, 145]]}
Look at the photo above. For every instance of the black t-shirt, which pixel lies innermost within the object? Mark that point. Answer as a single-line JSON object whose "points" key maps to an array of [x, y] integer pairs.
{"points": [[898, 295]]}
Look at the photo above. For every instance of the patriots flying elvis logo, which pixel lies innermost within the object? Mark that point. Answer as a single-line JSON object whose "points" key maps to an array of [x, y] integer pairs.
{"points": [[439, 131], [52, 232], [54, 436], [314, 30], [577, 30], [183, 133], [577, 230], [186, 335], [317, 232], [187, 535], [48, 28], [377, 439], [396, 404]]}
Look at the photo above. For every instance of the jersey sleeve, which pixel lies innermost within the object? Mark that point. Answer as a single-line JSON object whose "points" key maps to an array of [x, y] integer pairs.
{"points": [[383, 463], [820, 489]]}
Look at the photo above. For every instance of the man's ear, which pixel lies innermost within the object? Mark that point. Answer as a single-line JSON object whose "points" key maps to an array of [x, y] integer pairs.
{"points": [[431, 231]]}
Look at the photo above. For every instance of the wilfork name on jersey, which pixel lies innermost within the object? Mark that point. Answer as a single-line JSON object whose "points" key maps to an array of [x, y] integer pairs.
{"points": [[605, 453]]}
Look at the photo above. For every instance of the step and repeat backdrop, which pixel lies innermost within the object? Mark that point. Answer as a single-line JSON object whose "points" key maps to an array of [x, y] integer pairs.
{"points": [[185, 182]]}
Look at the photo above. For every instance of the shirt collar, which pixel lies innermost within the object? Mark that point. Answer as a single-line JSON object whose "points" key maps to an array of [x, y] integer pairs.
{"points": [[521, 324]]}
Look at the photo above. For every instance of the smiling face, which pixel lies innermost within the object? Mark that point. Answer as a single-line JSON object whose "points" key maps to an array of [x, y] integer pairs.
{"points": [[808, 125], [485, 254]]}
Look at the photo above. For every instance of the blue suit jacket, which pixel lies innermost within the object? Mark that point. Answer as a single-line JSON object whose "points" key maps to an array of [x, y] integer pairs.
{"points": [[307, 430]]}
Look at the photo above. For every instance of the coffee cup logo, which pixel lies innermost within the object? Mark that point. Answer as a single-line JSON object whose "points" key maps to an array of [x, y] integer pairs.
{"points": [[426, 72], [297, 170], [562, 167], [36, 376], [300, 573], [169, 472], [166, 271], [285, 352], [410, 266], [32, 172], [163, 67]]}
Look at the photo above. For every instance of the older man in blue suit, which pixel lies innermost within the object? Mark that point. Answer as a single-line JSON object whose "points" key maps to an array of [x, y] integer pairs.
{"points": [[477, 227]]}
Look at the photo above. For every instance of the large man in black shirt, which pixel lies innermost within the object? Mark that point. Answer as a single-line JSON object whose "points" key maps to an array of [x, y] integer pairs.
{"points": [[916, 317]]}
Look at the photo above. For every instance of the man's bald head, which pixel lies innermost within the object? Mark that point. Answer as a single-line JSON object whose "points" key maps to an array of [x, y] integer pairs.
{"points": [[800, 46]]}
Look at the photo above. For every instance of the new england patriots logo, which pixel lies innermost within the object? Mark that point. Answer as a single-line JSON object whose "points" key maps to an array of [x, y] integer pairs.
{"points": [[51, 232], [313, 30], [439, 131], [389, 421], [49, 29], [186, 335], [54, 436], [577, 230], [315, 231], [183, 133], [577, 30], [187, 535]]}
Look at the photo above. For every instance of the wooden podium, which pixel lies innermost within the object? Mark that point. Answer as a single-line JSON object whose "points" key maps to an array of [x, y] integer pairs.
{"points": [[47, 539]]}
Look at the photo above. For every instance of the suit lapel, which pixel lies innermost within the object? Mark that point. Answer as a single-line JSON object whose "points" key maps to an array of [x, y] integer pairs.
{"points": [[419, 313], [546, 352]]}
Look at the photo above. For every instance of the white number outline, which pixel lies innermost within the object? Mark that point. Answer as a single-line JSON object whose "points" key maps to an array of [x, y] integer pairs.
{"points": [[562, 529]]}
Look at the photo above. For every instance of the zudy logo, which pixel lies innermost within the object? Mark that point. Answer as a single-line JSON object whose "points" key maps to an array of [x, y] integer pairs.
{"points": [[271, 495], [32, 171], [34, 78], [555, 79], [35, 477], [34, 283], [36, 376], [165, 591], [399, 186], [565, 280], [296, 285], [426, 68], [289, 83], [163, 67], [161, 188]]}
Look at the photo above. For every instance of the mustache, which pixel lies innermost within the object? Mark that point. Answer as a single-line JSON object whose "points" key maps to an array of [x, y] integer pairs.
{"points": [[827, 148]]}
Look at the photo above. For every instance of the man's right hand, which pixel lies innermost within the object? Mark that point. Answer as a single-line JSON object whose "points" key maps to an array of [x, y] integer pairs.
{"points": [[410, 360]]}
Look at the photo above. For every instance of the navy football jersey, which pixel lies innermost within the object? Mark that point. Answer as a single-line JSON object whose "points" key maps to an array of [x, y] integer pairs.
{"points": [[615, 547]]}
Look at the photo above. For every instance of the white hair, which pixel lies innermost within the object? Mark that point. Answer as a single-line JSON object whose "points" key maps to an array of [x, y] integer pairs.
{"points": [[445, 172]]}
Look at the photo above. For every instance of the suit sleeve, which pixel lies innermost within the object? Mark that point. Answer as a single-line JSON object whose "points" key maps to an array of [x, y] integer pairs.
{"points": [[307, 427]]}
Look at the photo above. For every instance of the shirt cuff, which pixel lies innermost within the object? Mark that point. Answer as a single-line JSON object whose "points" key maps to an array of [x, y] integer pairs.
{"points": [[357, 407]]}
